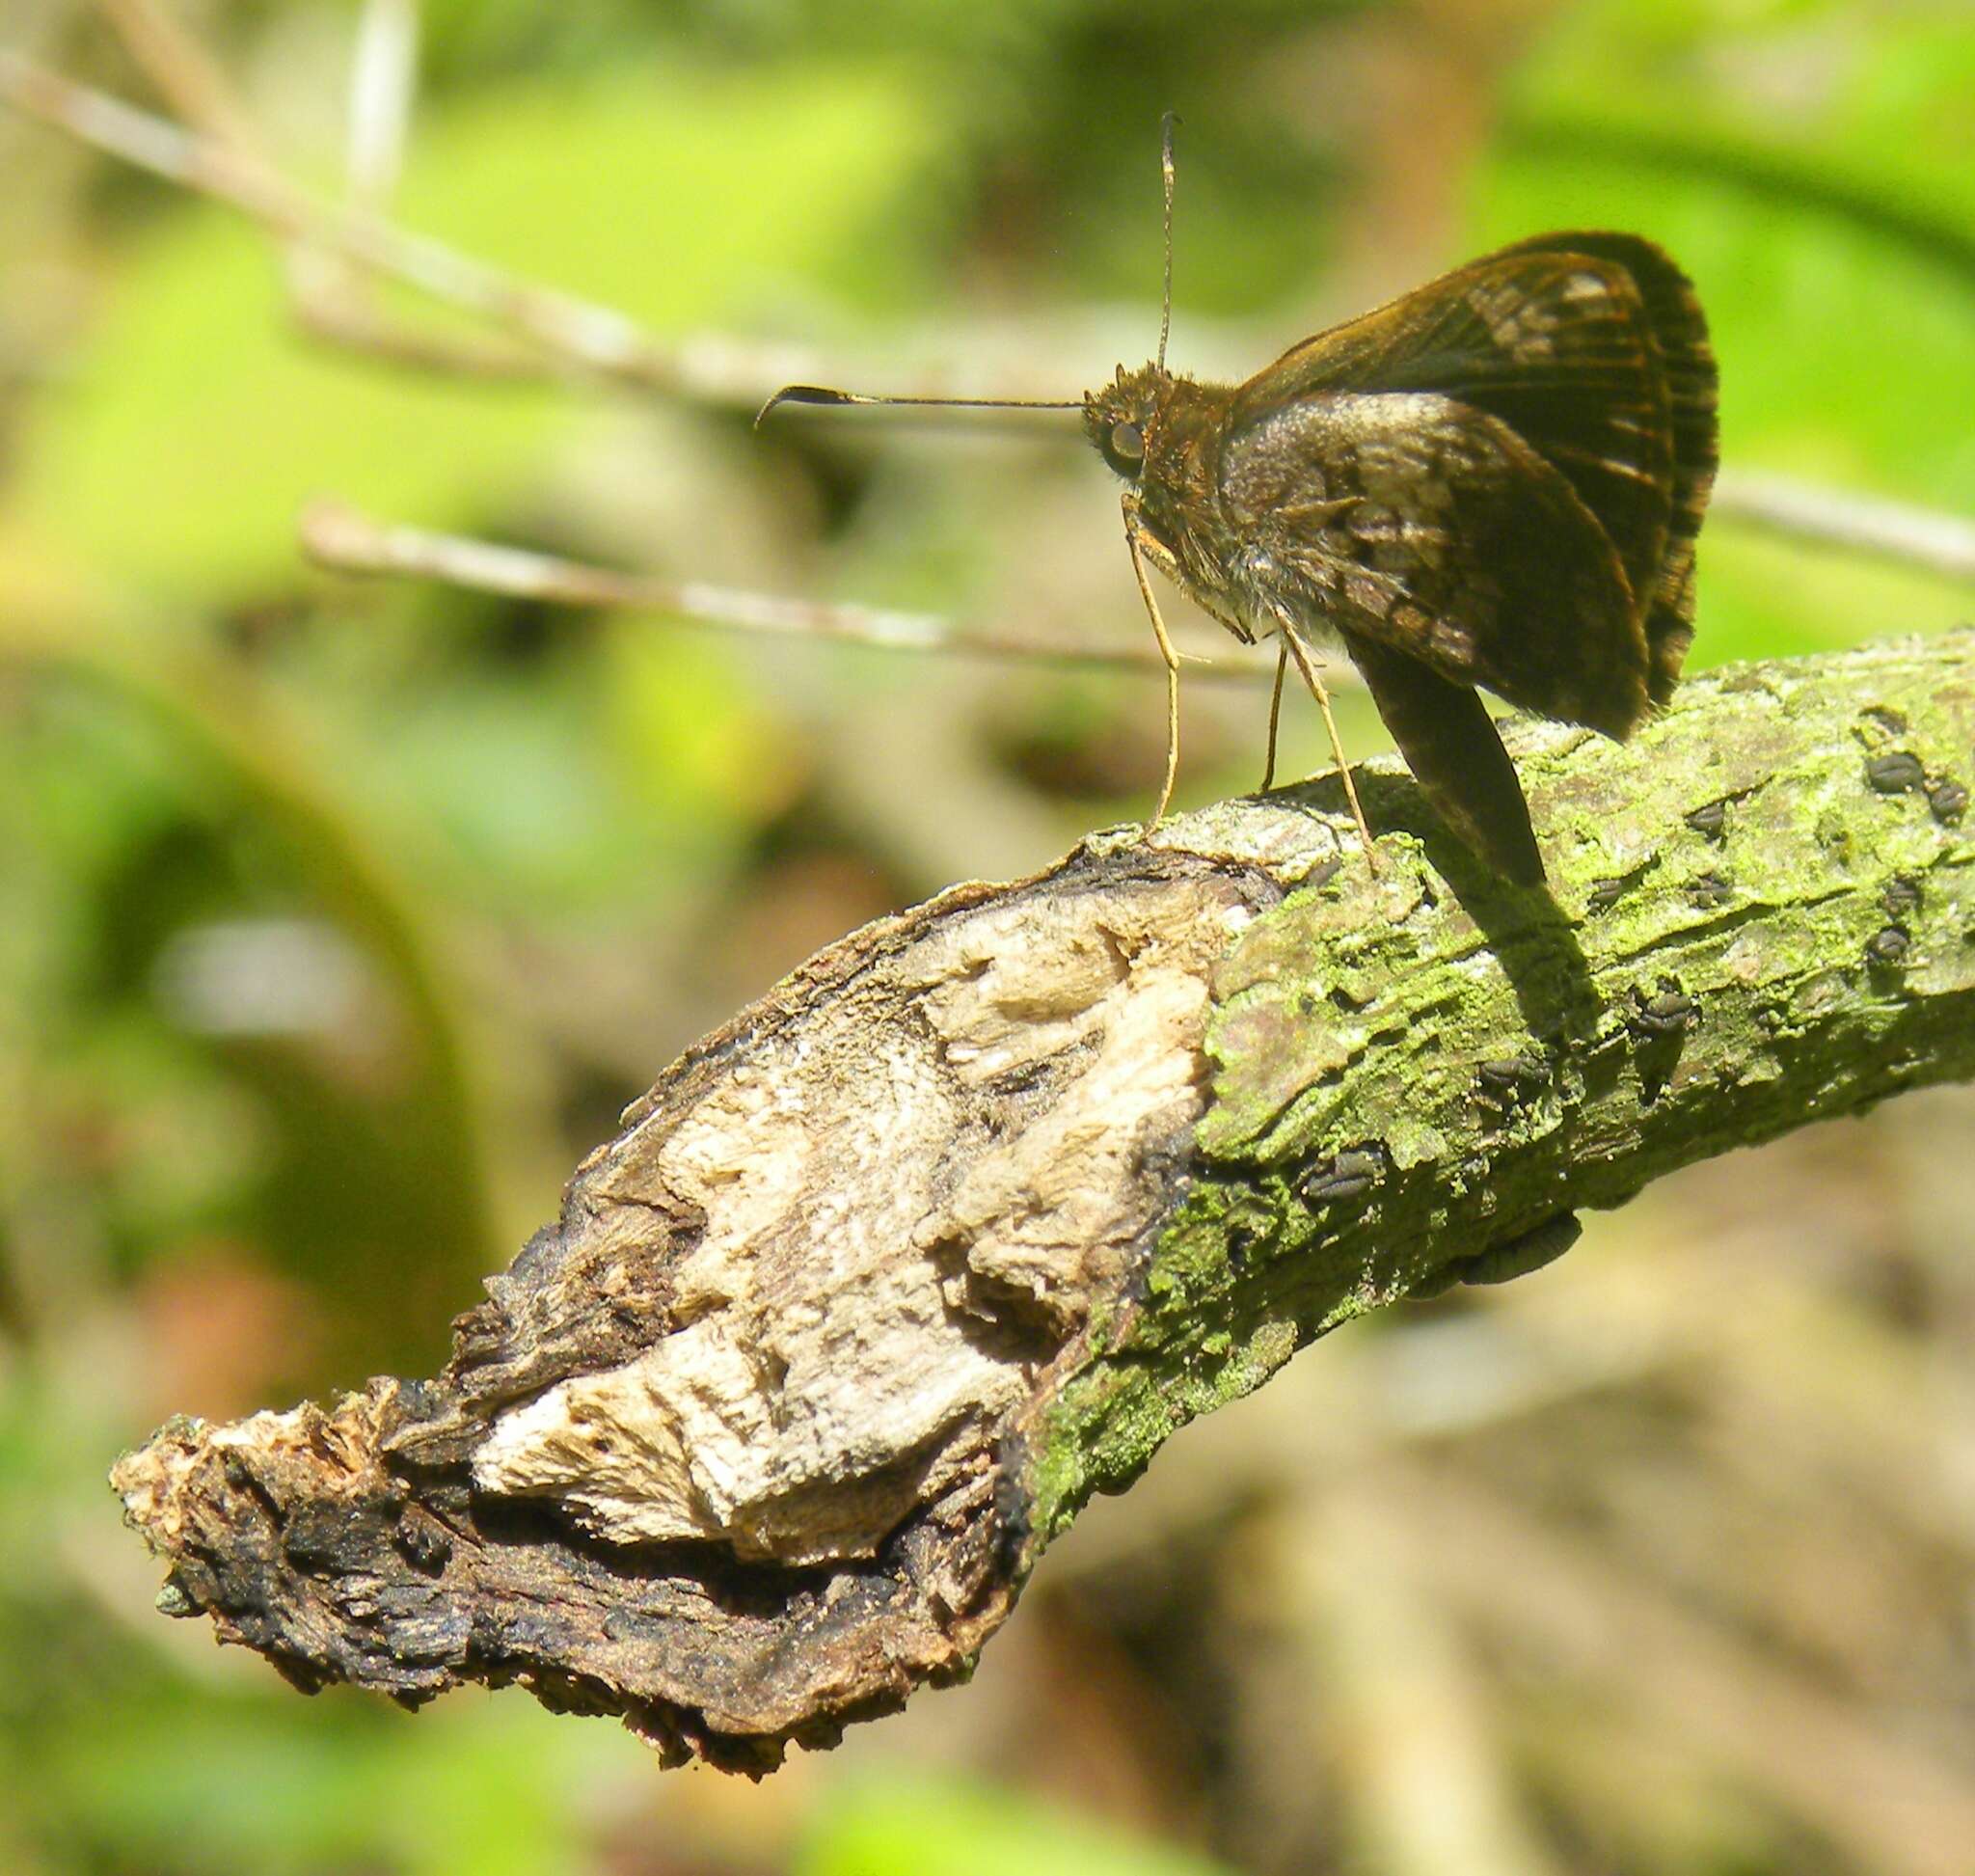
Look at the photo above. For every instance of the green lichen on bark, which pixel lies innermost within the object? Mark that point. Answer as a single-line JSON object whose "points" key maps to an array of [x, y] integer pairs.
{"points": [[1762, 913]]}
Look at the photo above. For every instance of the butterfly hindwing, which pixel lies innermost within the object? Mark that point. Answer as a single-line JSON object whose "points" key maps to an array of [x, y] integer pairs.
{"points": [[1419, 523]]}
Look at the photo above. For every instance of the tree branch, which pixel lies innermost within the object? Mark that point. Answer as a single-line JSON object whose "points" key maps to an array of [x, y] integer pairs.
{"points": [[343, 540], [882, 1280]]}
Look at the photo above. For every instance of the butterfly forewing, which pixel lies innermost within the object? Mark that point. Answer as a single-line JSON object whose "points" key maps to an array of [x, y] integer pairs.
{"points": [[1680, 333]]}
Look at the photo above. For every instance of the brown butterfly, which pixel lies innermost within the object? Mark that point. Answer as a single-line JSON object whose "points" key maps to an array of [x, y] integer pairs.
{"points": [[1495, 480]]}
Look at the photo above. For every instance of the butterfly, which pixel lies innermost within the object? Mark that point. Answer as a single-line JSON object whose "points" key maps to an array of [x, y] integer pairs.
{"points": [[1492, 483]]}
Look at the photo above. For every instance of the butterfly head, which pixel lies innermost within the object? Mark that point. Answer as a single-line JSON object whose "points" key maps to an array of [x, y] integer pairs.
{"points": [[1122, 419]]}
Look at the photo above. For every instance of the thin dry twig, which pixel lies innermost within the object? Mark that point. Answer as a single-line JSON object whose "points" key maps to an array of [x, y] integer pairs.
{"points": [[383, 84], [344, 540], [1863, 524], [331, 298], [328, 295], [582, 337], [185, 74]]}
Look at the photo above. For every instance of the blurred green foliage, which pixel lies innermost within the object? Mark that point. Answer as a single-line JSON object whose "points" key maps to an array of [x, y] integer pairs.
{"points": [[338, 921], [679, 199], [939, 1827]]}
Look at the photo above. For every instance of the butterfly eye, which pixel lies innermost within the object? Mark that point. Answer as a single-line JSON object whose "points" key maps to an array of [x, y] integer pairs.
{"points": [[1127, 444]]}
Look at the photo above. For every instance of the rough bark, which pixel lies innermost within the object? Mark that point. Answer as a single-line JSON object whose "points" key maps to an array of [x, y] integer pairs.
{"points": [[882, 1280]]}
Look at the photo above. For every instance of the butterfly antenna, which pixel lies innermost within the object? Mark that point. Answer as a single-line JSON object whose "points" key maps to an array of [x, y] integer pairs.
{"points": [[1166, 128], [820, 394]]}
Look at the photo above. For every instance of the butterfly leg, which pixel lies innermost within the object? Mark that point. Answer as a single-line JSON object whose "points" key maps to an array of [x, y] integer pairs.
{"points": [[1292, 641], [1133, 528], [1268, 767]]}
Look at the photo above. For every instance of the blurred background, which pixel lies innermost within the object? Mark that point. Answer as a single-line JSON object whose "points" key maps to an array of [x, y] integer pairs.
{"points": [[338, 917]]}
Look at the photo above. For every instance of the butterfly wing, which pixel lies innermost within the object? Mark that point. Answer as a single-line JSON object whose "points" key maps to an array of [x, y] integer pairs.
{"points": [[1679, 334], [1419, 523], [1591, 348], [1451, 747]]}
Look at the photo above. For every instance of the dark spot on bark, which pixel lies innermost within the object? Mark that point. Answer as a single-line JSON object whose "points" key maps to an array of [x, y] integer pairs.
{"points": [[1012, 1526], [1607, 894], [329, 1536], [1900, 896], [423, 1544], [1892, 722], [1709, 820], [1709, 891], [1243, 1235], [1897, 773], [540, 1251], [1022, 1079], [1348, 1175], [1948, 799], [1531, 1250], [1321, 874], [1668, 1011], [1658, 1024], [1509, 1257], [1888, 948], [1507, 1086]]}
